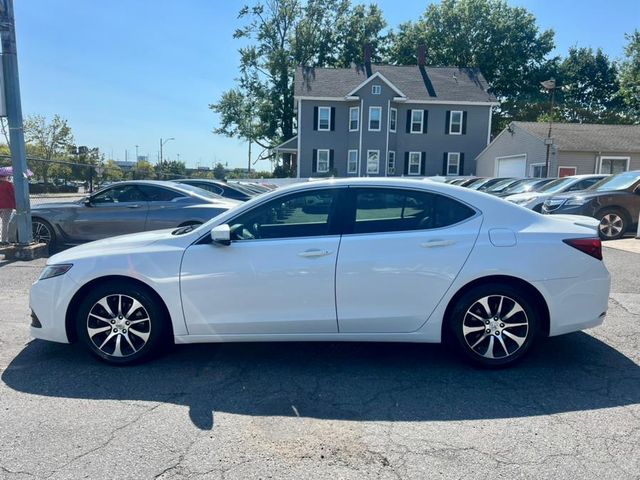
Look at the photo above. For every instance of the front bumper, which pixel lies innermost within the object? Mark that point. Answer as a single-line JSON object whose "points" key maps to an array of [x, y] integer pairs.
{"points": [[49, 300]]}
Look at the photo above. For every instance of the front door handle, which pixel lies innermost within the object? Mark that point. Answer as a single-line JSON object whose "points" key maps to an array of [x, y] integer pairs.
{"points": [[134, 206], [313, 253], [437, 243]]}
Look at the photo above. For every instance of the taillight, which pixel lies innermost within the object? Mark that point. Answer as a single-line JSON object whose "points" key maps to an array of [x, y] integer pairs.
{"points": [[590, 246]]}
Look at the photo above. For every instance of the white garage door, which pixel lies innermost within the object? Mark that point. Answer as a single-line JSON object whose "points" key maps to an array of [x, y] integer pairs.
{"points": [[515, 166]]}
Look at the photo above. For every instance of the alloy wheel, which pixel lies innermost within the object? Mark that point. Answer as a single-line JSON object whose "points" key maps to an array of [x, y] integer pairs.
{"points": [[118, 325], [611, 225], [41, 232], [495, 327]]}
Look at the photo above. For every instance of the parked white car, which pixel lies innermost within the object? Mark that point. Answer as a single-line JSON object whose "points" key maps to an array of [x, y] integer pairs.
{"points": [[535, 200], [341, 260]]}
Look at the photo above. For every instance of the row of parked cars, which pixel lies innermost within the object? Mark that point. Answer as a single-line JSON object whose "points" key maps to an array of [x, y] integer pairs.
{"points": [[134, 206], [614, 200]]}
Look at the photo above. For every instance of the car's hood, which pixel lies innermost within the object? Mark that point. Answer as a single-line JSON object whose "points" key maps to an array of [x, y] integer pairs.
{"points": [[588, 194], [132, 243], [524, 197], [56, 205]]}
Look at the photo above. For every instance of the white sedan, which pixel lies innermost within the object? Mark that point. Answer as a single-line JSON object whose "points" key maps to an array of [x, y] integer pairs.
{"points": [[347, 260]]}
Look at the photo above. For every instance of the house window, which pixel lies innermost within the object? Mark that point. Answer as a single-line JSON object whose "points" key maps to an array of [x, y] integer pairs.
{"points": [[376, 89], [393, 119], [375, 114], [352, 162], [414, 163], [323, 161], [373, 161], [453, 163], [324, 118], [354, 119], [455, 123], [417, 117], [614, 164], [538, 170], [391, 163]]}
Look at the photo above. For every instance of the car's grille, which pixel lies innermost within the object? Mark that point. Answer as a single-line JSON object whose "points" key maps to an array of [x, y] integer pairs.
{"points": [[553, 204], [35, 322]]}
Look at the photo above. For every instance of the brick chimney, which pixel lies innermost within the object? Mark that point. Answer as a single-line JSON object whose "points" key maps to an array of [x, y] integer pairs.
{"points": [[422, 55]]}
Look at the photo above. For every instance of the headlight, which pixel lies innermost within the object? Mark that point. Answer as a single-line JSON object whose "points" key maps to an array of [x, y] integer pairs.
{"points": [[51, 271], [576, 201]]}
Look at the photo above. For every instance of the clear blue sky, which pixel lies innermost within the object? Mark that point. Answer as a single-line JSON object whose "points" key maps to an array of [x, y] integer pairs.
{"points": [[126, 73]]}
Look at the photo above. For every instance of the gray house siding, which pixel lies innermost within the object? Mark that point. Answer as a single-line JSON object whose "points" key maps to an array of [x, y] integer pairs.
{"points": [[508, 144], [588, 162], [434, 143]]}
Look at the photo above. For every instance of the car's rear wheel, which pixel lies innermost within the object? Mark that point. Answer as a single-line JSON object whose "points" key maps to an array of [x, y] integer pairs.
{"points": [[494, 325], [43, 232], [613, 224], [122, 323]]}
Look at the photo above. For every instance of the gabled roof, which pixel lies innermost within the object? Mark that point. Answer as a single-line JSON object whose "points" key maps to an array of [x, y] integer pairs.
{"points": [[444, 84], [587, 137], [373, 77]]}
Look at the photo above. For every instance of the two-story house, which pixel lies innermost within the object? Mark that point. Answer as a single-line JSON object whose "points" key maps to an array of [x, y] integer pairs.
{"points": [[385, 120]]}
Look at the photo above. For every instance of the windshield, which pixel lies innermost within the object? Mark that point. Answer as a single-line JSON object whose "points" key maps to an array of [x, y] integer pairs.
{"points": [[622, 181], [200, 191], [557, 185], [499, 186], [478, 183], [522, 187]]}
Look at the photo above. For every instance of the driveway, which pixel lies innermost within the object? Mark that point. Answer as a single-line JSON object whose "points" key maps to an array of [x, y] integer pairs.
{"points": [[343, 411]]}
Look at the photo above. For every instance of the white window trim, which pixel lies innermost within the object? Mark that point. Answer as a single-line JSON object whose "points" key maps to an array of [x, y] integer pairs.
{"points": [[377, 164], [357, 109], [575, 170], [318, 160], [389, 154], [379, 123], [328, 129], [451, 132], [449, 154], [612, 157], [394, 111], [421, 120], [419, 154], [356, 162], [532, 168], [376, 89]]}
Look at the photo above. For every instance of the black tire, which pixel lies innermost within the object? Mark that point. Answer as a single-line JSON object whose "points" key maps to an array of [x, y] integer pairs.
{"points": [[509, 343], [43, 232], [613, 223], [139, 343]]}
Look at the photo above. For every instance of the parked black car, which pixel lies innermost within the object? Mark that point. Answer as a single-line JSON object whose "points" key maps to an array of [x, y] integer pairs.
{"points": [[234, 191], [615, 201]]}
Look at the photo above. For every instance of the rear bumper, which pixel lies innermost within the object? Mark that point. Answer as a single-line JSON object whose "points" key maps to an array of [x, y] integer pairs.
{"points": [[577, 303]]}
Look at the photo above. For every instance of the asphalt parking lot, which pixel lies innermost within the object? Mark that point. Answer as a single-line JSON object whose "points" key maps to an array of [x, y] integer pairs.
{"points": [[343, 411]]}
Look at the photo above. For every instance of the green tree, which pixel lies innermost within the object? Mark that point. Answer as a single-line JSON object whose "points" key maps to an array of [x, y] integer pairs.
{"points": [[111, 171], [589, 88], [630, 76], [172, 169], [503, 41], [144, 171], [219, 171], [361, 25], [47, 140]]}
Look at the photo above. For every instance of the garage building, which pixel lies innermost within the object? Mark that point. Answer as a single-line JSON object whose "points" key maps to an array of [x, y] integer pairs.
{"points": [[520, 150]]}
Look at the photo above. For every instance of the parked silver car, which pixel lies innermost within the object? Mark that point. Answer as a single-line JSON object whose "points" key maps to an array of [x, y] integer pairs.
{"points": [[122, 208]]}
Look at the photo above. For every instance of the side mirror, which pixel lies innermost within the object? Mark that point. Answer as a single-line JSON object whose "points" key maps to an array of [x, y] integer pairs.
{"points": [[87, 201], [221, 234]]}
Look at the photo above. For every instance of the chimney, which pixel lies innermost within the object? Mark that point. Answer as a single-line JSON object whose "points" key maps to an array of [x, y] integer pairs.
{"points": [[422, 55], [367, 59]]}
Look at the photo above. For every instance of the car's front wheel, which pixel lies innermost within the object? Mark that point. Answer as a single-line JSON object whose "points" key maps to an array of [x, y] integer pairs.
{"points": [[613, 224], [494, 325], [122, 323]]}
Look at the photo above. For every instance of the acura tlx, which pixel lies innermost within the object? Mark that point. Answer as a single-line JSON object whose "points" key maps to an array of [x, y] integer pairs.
{"points": [[382, 260]]}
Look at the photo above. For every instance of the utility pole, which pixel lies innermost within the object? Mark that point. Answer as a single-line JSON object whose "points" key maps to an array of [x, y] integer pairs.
{"points": [[249, 164], [14, 119], [137, 153], [549, 85]]}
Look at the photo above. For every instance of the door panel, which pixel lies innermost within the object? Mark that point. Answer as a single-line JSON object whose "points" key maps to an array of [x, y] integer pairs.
{"points": [[116, 211], [264, 286], [391, 281]]}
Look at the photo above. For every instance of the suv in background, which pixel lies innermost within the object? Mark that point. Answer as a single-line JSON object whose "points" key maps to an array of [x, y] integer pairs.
{"points": [[615, 201], [574, 183]]}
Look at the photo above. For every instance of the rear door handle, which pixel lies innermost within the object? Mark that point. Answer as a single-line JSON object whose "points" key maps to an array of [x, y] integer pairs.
{"points": [[313, 253], [437, 243]]}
